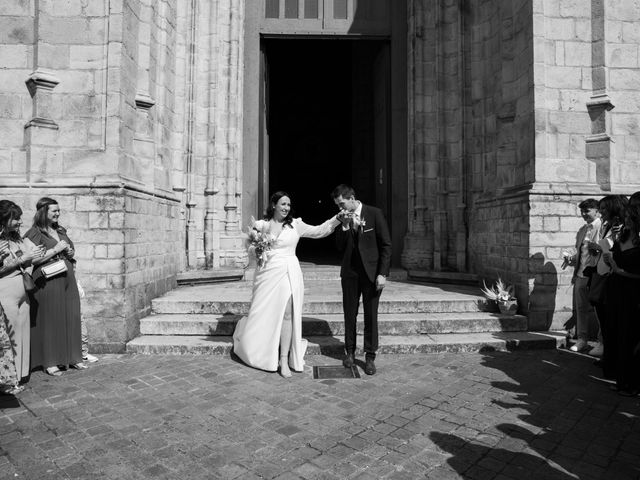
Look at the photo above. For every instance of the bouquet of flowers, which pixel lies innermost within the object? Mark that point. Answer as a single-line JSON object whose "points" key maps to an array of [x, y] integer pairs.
{"points": [[260, 240]]}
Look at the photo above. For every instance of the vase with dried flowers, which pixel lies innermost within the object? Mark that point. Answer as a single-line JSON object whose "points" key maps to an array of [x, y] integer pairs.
{"points": [[503, 295]]}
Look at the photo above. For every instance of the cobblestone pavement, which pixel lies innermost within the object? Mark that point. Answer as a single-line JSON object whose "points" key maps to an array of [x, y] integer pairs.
{"points": [[536, 414]]}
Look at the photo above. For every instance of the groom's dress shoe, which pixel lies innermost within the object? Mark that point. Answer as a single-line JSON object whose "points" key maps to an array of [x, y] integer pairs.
{"points": [[349, 361], [369, 366]]}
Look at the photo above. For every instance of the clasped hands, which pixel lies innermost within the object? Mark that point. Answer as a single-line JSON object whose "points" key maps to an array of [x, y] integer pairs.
{"points": [[63, 246], [29, 255], [349, 219]]}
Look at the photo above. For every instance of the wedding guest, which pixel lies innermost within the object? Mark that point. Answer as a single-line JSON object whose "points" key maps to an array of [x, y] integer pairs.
{"points": [[585, 255], [9, 382], [86, 356], [17, 258], [612, 210], [56, 336], [623, 303]]}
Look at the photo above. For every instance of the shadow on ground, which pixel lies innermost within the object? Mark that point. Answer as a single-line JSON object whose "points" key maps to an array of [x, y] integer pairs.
{"points": [[568, 426]]}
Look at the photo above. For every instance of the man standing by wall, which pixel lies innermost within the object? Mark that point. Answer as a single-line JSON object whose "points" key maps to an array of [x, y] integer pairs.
{"points": [[585, 255], [366, 245]]}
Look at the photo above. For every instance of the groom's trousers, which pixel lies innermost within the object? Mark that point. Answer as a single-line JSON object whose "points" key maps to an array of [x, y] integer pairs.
{"points": [[356, 283]]}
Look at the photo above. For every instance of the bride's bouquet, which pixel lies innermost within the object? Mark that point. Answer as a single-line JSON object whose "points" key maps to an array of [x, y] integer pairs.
{"points": [[260, 240]]}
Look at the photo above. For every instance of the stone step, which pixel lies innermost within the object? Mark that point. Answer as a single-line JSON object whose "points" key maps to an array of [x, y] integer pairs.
{"points": [[312, 272], [333, 324], [321, 297], [197, 277], [439, 343], [455, 278], [319, 307]]}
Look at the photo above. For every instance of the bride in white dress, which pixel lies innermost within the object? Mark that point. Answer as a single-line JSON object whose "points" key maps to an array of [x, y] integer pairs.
{"points": [[274, 322]]}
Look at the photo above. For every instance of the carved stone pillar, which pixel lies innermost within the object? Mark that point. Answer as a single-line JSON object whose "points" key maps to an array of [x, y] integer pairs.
{"points": [[598, 144], [41, 130]]}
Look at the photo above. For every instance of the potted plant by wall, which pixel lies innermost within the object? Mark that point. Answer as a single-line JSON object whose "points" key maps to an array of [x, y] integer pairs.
{"points": [[502, 294]]}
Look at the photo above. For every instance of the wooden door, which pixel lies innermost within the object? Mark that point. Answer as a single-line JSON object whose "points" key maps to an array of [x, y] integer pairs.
{"points": [[381, 130]]}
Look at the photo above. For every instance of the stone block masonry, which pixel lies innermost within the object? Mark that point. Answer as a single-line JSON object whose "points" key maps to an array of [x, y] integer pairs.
{"points": [[128, 251]]}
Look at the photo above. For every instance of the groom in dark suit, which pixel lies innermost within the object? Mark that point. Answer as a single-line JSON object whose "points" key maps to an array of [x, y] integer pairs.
{"points": [[366, 245]]}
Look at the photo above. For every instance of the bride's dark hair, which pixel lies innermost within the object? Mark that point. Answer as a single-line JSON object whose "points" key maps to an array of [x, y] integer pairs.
{"points": [[271, 209]]}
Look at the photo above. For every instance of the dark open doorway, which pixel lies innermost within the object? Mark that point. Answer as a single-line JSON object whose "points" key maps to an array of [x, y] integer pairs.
{"points": [[326, 122]]}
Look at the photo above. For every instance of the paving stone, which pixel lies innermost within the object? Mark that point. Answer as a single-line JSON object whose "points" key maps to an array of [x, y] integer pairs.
{"points": [[486, 415]]}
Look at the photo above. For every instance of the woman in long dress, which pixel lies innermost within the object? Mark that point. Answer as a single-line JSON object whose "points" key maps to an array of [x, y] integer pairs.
{"points": [[272, 330], [55, 338]]}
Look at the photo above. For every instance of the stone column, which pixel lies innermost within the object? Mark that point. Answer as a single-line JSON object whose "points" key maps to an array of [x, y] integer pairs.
{"points": [[211, 222], [228, 139], [437, 159], [41, 129], [598, 144], [418, 243]]}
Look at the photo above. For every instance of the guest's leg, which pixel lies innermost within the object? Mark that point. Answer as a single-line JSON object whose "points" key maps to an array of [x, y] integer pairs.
{"points": [[16, 308], [24, 338], [583, 312], [608, 341], [84, 336], [285, 340]]}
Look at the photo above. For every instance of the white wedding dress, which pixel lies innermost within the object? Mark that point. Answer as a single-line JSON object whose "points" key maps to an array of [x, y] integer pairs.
{"points": [[256, 339]]}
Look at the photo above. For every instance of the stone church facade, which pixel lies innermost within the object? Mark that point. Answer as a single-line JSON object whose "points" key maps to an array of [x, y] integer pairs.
{"points": [[477, 125]]}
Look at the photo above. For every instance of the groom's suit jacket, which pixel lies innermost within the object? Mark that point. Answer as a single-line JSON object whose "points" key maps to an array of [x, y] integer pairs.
{"points": [[371, 241]]}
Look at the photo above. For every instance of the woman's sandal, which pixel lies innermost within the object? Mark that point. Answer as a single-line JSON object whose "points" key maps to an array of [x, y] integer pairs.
{"points": [[12, 390], [53, 371], [79, 366]]}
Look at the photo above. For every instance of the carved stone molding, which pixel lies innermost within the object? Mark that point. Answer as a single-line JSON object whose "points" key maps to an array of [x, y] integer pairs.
{"points": [[41, 79], [144, 101], [40, 85]]}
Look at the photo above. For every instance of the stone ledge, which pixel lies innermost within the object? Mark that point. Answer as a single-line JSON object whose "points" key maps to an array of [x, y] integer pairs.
{"points": [[475, 342], [333, 324], [457, 278], [198, 277]]}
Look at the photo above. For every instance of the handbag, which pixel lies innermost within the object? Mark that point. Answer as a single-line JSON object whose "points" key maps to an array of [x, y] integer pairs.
{"points": [[54, 268], [597, 289], [27, 279]]}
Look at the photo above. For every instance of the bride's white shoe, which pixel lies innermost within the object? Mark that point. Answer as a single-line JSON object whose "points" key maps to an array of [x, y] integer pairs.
{"points": [[284, 370]]}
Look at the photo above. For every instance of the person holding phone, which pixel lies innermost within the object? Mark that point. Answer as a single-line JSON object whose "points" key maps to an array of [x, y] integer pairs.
{"points": [[612, 209], [17, 256], [623, 306], [584, 255]]}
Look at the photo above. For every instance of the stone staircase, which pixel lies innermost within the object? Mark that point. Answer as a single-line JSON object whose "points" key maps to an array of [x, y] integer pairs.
{"points": [[413, 317]]}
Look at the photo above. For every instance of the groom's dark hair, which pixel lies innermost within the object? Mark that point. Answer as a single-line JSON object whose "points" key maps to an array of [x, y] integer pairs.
{"points": [[345, 190]]}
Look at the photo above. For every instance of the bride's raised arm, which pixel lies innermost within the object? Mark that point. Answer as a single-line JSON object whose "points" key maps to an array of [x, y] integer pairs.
{"points": [[316, 231]]}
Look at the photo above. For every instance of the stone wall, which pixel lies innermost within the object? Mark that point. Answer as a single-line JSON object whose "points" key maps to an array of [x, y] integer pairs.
{"points": [[499, 140], [472, 130], [101, 109], [586, 71]]}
